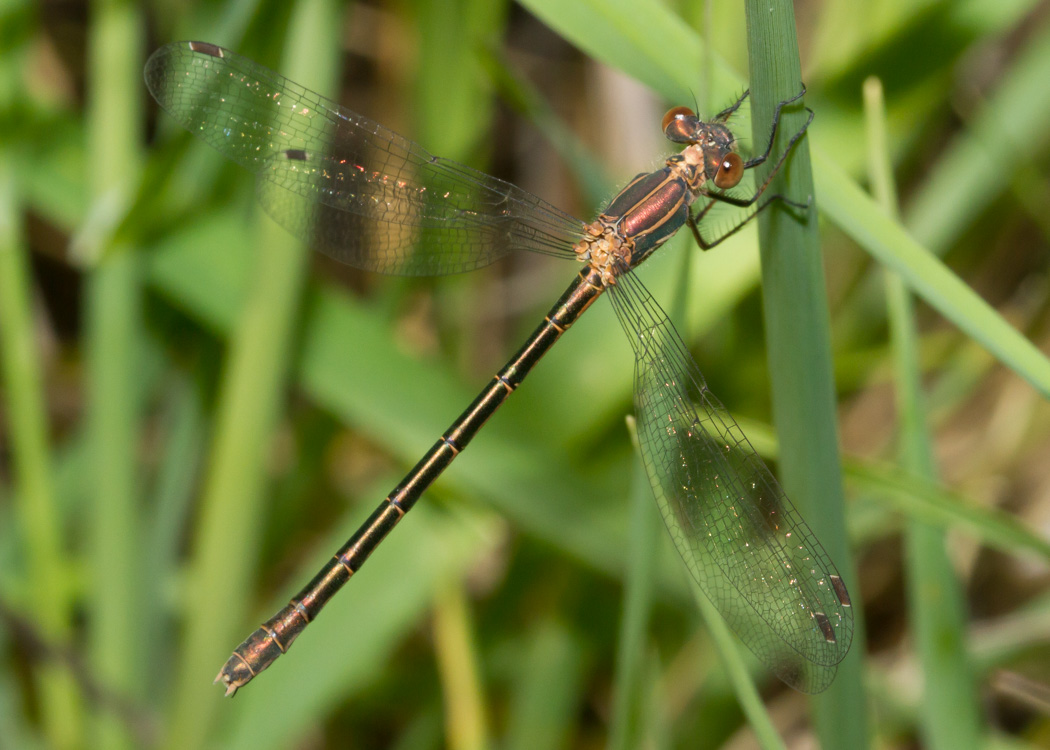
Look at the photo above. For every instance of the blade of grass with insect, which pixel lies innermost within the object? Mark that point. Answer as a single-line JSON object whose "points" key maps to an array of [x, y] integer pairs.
{"points": [[566, 17], [640, 54], [799, 351], [860, 218], [367, 669]]}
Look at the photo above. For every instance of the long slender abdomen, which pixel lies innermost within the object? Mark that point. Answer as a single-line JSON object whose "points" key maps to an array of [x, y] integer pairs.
{"points": [[276, 635]]}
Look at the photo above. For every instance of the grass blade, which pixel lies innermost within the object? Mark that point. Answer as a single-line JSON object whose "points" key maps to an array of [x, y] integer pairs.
{"points": [[951, 708], [971, 174], [466, 727], [546, 699], [116, 349], [858, 216], [629, 687], [35, 512], [798, 340]]}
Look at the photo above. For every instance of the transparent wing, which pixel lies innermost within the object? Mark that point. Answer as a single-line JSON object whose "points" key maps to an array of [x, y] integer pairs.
{"points": [[749, 550], [355, 190]]}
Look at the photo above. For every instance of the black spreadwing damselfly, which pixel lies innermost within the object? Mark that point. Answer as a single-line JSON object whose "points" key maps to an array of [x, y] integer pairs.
{"points": [[371, 198]]}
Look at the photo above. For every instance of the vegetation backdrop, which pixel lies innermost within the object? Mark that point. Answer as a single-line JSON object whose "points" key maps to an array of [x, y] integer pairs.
{"points": [[195, 412]]}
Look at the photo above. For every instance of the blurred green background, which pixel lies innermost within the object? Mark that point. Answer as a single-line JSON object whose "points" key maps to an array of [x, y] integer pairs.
{"points": [[196, 412]]}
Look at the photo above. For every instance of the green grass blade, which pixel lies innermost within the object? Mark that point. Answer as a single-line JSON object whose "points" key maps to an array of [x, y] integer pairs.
{"points": [[35, 511], [629, 721], [951, 708], [635, 36], [227, 529], [732, 659], [547, 696], [926, 501], [466, 725], [978, 166], [114, 315], [859, 216], [184, 426], [116, 350], [454, 104], [798, 340]]}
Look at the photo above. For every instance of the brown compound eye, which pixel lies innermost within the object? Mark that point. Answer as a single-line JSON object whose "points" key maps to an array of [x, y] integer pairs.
{"points": [[679, 125], [730, 171], [675, 113]]}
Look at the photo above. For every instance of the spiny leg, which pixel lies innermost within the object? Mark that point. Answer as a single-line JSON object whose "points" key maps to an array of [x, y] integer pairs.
{"points": [[745, 202], [755, 161], [693, 222], [726, 113]]}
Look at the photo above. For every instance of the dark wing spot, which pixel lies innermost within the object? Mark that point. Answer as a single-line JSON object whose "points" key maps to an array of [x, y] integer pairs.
{"points": [[840, 591], [825, 626], [206, 49]]}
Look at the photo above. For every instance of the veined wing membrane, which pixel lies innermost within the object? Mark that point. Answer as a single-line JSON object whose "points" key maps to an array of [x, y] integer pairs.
{"points": [[358, 191], [746, 546]]}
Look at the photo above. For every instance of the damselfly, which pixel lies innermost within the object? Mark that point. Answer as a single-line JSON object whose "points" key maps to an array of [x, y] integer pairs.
{"points": [[373, 199]]}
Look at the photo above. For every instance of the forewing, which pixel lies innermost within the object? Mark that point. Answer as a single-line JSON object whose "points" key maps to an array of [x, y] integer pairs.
{"points": [[354, 189]]}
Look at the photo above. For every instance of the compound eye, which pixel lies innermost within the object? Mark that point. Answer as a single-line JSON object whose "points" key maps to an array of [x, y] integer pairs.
{"points": [[675, 113], [679, 124], [730, 171]]}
